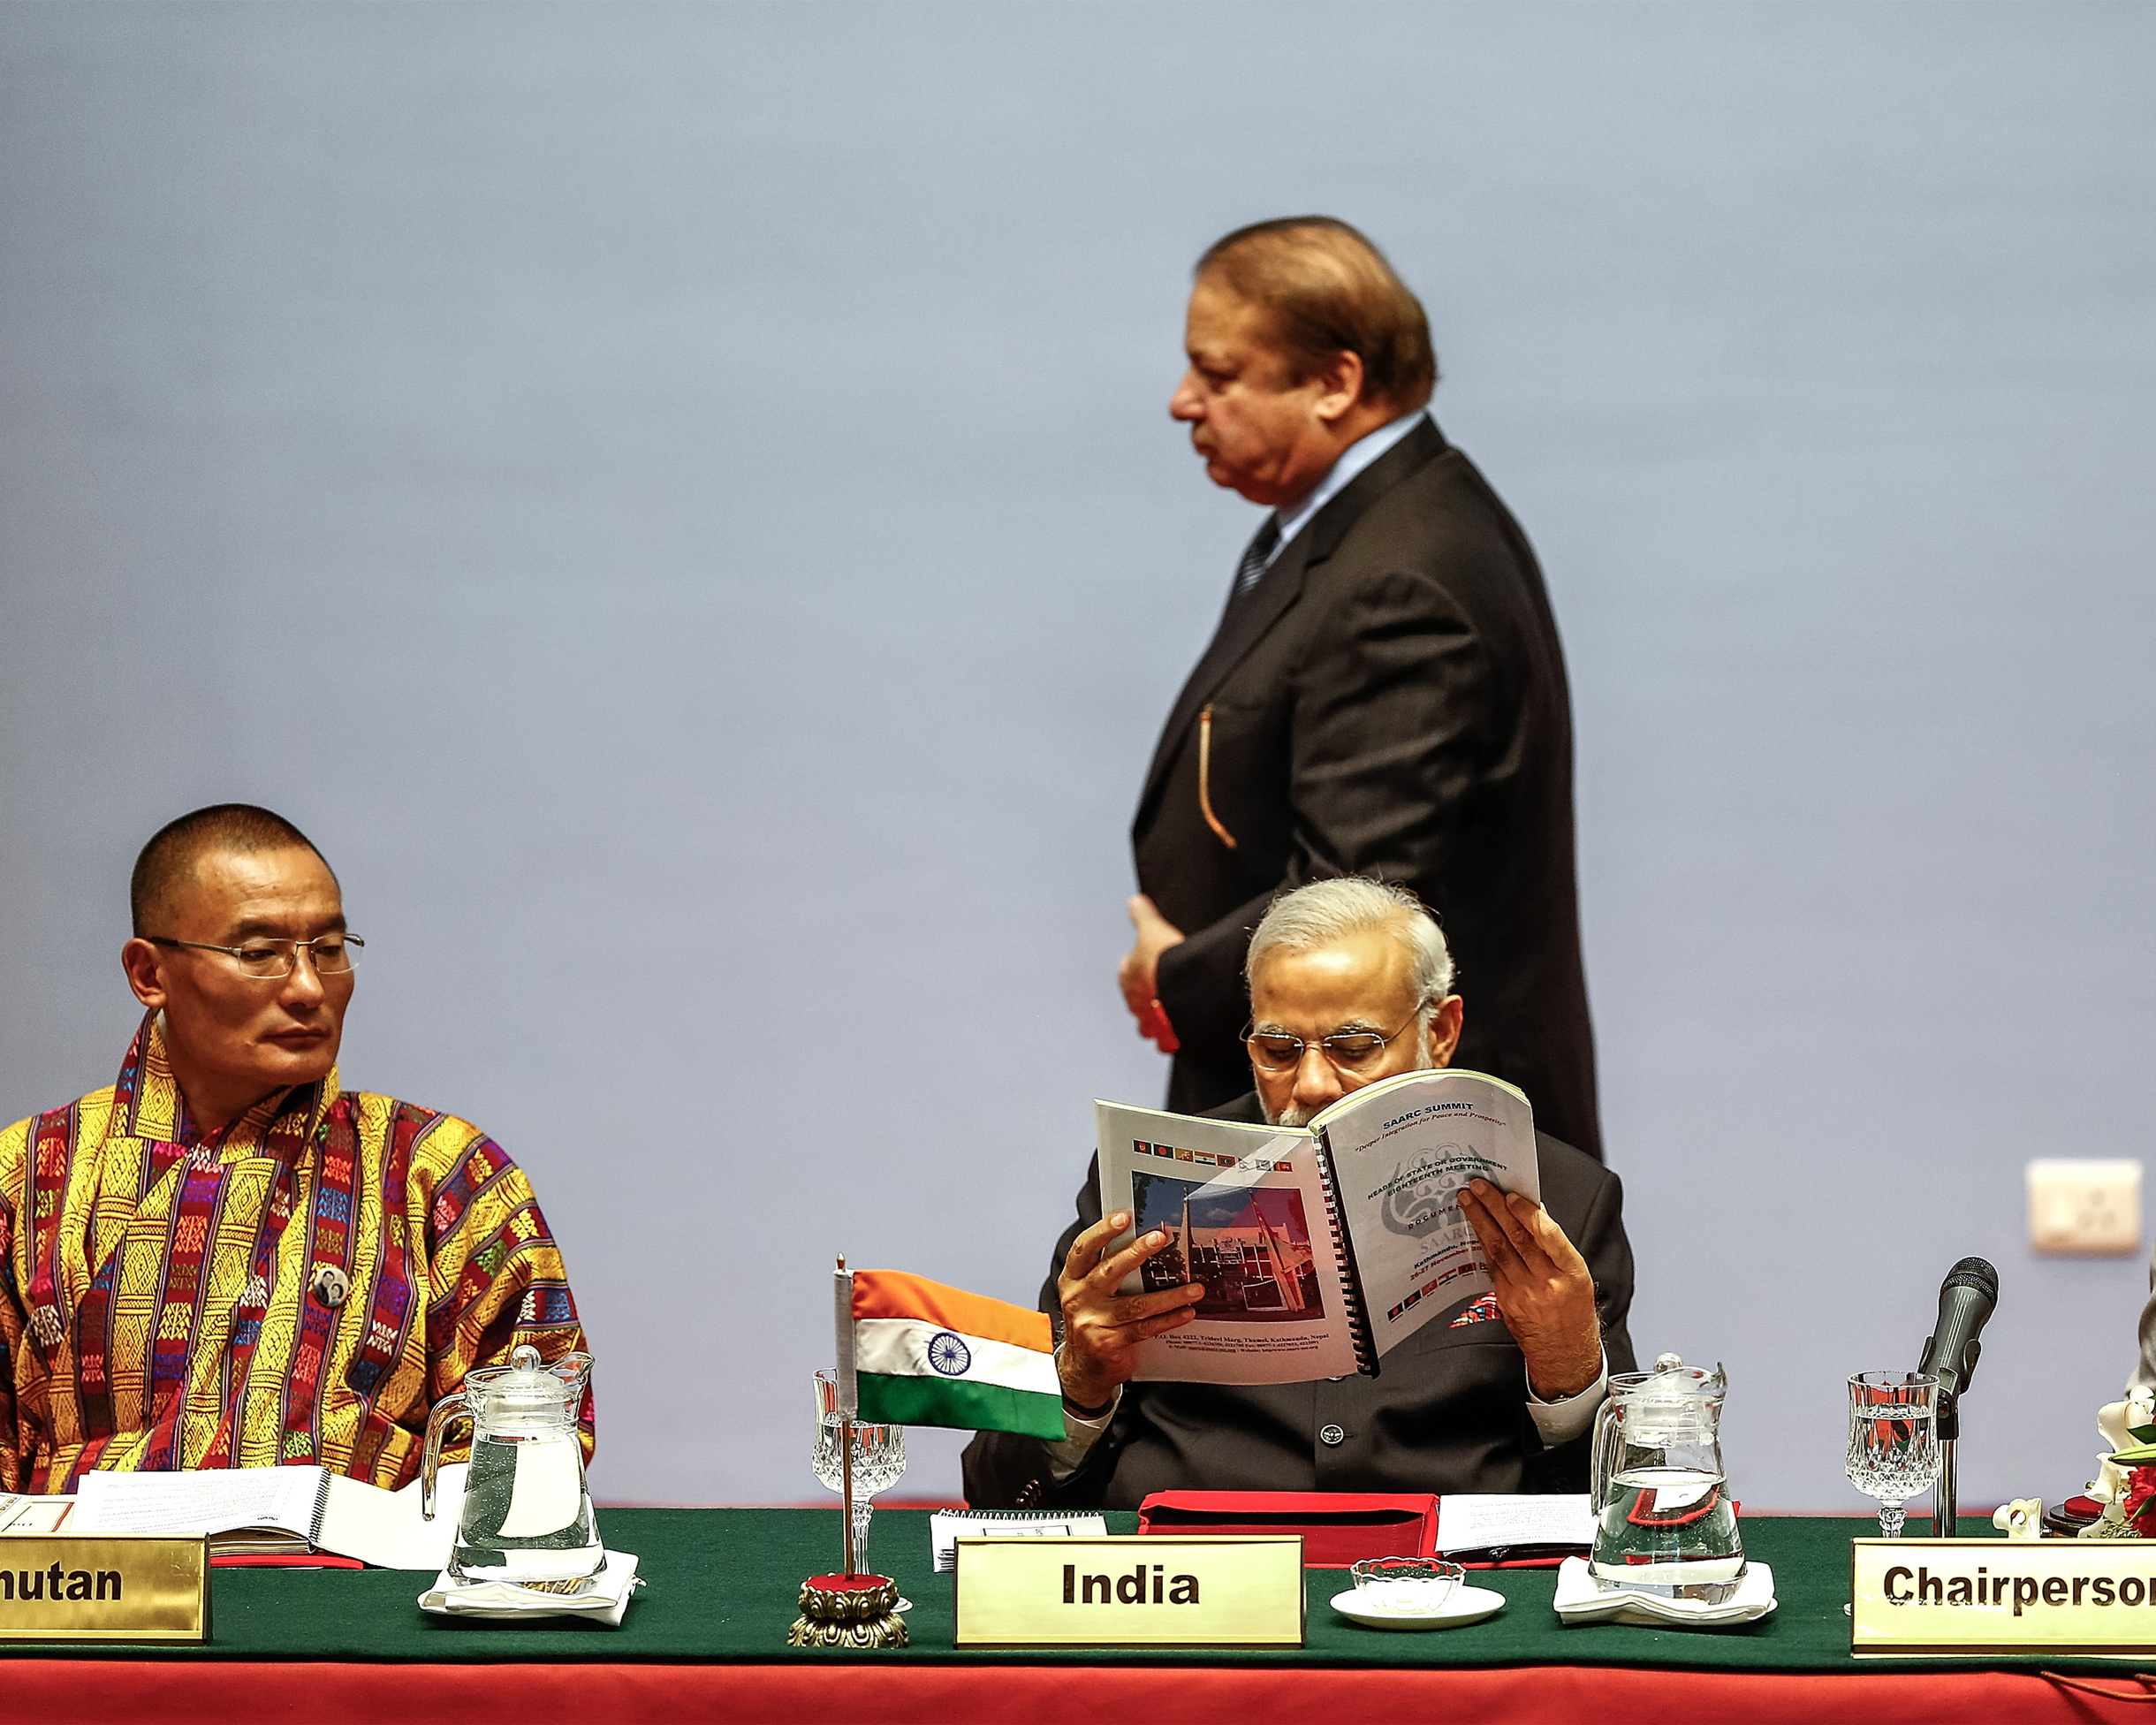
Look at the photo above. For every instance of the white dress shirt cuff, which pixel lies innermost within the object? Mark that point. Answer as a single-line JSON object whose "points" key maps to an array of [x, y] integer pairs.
{"points": [[1080, 1436], [1559, 1422]]}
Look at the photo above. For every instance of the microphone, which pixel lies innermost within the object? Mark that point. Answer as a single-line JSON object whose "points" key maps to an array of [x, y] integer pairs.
{"points": [[1965, 1302]]}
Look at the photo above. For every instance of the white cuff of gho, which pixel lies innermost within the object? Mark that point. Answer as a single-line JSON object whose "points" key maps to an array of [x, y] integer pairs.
{"points": [[1079, 1436], [1561, 1422]]}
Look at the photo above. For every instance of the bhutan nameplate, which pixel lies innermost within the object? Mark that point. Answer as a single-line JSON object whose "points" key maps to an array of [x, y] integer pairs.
{"points": [[2001, 1596], [1156, 1591], [103, 1587]]}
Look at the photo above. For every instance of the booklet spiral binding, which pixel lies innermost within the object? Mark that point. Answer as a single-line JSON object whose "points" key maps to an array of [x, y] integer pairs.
{"points": [[1361, 1332], [321, 1508], [946, 1527]]}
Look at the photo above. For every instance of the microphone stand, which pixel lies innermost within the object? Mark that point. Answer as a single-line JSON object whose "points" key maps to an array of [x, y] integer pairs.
{"points": [[1950, 1432]]}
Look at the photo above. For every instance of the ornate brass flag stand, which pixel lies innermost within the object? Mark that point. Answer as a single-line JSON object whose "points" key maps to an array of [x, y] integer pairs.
{"points": [[847, 1610]]}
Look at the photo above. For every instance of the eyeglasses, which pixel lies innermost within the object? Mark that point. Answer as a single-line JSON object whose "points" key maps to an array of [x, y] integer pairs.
{"points": [[331, 954], [1350, 1050]]}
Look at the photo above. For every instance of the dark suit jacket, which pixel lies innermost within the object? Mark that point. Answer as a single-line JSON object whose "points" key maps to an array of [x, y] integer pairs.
{"points": [[1389, 701], [1448, 1411]]}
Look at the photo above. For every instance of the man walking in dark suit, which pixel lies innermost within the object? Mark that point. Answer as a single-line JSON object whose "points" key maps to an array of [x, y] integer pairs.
{"points": [[1385, 695]]}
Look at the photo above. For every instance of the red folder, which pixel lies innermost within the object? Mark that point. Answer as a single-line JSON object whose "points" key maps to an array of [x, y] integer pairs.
{"points": [[1338, 1528]]}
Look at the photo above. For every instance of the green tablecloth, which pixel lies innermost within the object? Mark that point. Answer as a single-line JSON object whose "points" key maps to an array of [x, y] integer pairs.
{"points": [[723, 1585]]}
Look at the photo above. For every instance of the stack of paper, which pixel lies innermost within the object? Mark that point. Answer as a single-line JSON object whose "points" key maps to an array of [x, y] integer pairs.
{"points": [[1497, 1526], [34, 1514], [1579, 1599]]}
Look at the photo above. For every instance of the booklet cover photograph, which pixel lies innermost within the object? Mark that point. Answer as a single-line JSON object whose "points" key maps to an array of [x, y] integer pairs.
{"points": [[1251, 1247]]}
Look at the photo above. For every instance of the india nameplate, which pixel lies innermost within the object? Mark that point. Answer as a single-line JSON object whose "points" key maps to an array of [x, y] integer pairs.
{"points": [[1148, 1590]]}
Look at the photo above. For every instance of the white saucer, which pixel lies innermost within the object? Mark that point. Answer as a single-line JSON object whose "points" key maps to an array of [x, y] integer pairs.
{"points": [[1466, 1605]]}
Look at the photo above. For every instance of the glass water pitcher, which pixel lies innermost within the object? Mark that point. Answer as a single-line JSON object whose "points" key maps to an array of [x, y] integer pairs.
{"points": [[527, 1516], [1664, 1520]]}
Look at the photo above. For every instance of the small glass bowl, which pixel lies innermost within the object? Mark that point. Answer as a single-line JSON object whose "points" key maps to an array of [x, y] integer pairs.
{"points": [[1412, 1586]]}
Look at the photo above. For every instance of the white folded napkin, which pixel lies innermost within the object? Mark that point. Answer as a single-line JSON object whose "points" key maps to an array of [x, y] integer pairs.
{"points": [[605, 1598], [1579, 1600]]}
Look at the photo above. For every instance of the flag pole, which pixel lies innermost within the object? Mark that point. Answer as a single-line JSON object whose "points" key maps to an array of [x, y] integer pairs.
{"points": [[846, 1464], [848, 1610]]}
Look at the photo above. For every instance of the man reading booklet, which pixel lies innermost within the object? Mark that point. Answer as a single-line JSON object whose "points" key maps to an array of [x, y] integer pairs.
{"points": [[1320, 1248], [1350, 984]]}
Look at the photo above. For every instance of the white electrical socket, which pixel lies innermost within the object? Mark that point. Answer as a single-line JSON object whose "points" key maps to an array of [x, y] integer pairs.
{"points": [[2086, 1207]]}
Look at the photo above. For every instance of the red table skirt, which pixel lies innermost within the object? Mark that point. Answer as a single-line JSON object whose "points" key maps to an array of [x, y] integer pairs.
{"points": [[217, 1692]]}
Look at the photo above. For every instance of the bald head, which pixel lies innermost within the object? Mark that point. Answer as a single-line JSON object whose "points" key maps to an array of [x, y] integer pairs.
{"points": [[167, 865]]}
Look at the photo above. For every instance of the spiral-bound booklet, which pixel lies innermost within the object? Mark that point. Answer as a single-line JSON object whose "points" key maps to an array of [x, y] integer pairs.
{"points": [[1321, 1247], [260, 1512]]}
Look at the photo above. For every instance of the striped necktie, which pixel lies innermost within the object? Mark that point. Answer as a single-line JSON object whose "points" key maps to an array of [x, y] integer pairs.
{"points": [[1252, 568]]}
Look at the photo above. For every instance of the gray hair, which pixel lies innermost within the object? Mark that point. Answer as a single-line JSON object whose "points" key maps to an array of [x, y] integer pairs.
{"points": [[1329, 910]]}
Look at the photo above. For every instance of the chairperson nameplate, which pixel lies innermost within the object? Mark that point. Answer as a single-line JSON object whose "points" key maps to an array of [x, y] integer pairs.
{"points": [[1987, 1597], [1156, 1591], [103, 1587]]}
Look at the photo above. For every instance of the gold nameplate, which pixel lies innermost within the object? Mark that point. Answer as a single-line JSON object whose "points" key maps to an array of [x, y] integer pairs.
{"points": [[103, 1587], [1150, 1591], [1983, 1596]]}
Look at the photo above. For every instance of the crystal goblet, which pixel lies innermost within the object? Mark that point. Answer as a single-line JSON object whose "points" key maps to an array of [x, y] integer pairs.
{"points": [[1894, 1440], [879, 1458]]}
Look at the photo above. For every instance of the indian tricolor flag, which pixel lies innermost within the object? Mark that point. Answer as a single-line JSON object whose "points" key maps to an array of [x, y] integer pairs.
{"points": [[921, 1354]]}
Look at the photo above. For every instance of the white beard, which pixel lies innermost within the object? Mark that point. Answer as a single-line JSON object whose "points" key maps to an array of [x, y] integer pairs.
{"points": [[1292, 1115]]}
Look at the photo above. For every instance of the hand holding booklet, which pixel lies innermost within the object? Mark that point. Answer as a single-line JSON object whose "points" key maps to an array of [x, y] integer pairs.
{"points": [[1321, 1248]]}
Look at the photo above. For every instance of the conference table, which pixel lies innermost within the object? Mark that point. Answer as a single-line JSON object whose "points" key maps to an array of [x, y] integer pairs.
{"points": [[706, 1638]]}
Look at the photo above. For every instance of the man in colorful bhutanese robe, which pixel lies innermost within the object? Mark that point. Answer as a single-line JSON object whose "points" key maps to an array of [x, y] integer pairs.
{"points": [[208, 1264], [158, 1306]]}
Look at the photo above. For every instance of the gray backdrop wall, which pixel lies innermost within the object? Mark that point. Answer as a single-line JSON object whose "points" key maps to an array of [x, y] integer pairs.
{"points": [[679, 503]]}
